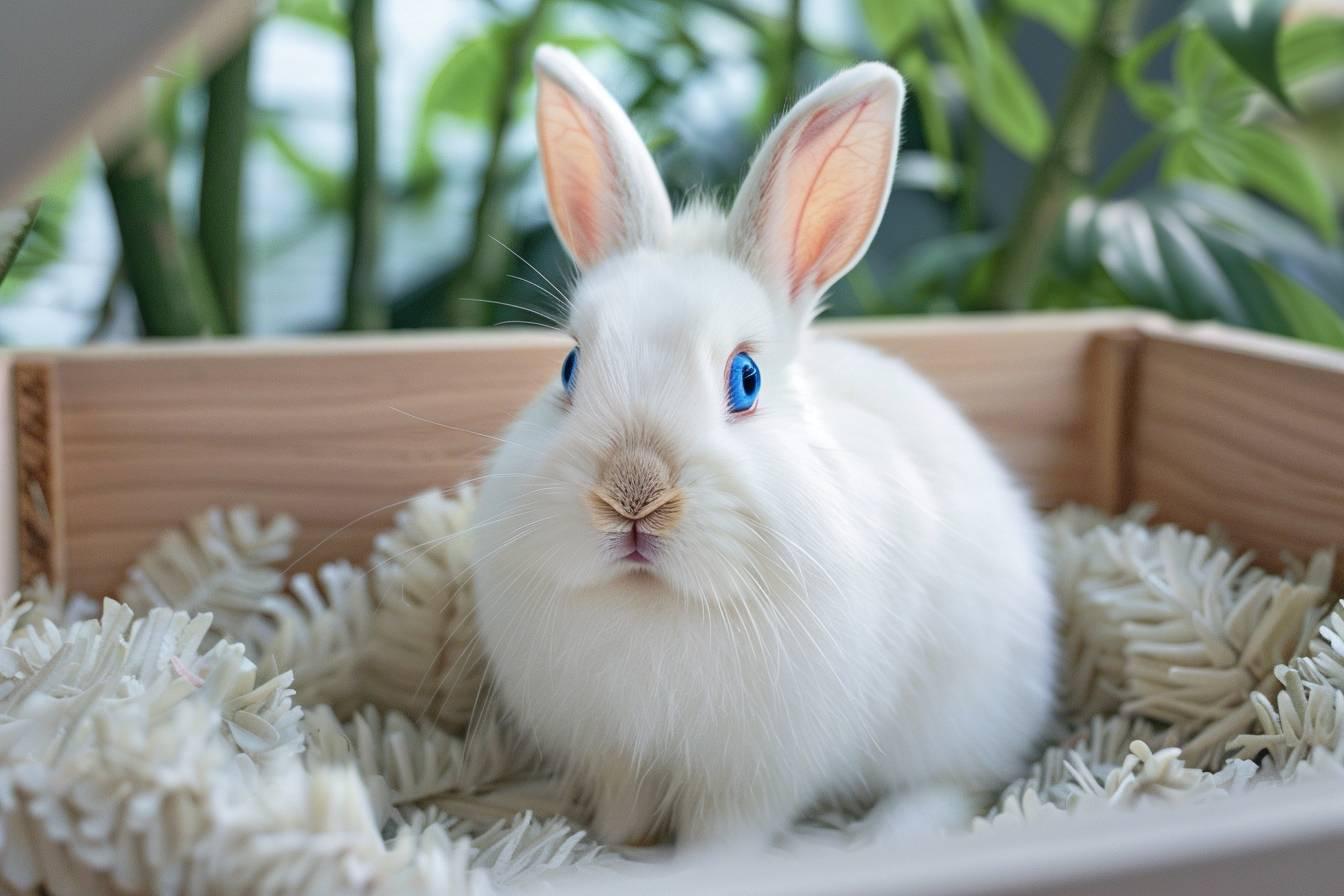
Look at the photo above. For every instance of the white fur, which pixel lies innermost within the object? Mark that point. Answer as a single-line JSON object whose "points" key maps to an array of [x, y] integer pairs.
{"points": [[853, 602]]}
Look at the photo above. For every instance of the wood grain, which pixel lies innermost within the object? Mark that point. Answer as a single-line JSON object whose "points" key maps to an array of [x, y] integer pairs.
{"points": [[1111, 392], [9, 536], [337, 431], [41, 542], [1245, 431]]}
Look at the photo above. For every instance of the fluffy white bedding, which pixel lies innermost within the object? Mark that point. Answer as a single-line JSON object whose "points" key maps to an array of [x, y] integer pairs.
{"points": [[222, 727]]}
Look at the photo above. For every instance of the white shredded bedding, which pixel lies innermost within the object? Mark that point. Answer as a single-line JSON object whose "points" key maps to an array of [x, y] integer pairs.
{"points": [[223, 727]]}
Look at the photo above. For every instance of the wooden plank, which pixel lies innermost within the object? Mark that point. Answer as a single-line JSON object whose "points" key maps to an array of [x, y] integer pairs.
{"points": [[1280, 840], [9, 536], [1042, 388], [1114, 370], [36, 480], [337, 430], [38, 493], [1246, 431]]}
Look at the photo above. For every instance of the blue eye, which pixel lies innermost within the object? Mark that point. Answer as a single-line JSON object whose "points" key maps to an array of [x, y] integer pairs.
{"points": [[569, 368], [744, 383]]}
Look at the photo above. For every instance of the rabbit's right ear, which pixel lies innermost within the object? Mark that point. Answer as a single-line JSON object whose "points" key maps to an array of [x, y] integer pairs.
{"points": [[603, 189], [818, 187]]}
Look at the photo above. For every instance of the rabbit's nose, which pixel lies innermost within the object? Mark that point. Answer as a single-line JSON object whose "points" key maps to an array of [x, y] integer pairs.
{"points": [[635, 484], [656, 516]]}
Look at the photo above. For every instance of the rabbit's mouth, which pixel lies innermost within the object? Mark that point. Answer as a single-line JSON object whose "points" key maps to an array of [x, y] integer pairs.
{"points": [[636, 547]]}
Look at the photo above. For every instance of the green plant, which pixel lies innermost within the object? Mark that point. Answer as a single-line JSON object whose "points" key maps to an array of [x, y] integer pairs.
{"points": [[223, 144], [15, 225], [1222, 202], [1203, 243]]}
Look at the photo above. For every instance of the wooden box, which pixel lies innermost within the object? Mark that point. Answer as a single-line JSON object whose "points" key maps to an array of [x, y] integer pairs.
{"points": [[113, 445]]}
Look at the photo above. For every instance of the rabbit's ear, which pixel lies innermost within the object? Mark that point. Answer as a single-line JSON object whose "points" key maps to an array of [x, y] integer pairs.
{"points": [[604, 191], [817, 189]]}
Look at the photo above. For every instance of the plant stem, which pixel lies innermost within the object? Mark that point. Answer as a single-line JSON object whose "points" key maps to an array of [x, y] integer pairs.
{"points": [[1130, 162], [363, 310], [785, 69], [13, 238], [218, 228], [999, 22], [172, 294], [968, 189], [487, 260], [1068, 159]]}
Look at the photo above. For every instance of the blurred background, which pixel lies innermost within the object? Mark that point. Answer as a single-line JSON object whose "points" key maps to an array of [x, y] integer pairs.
{"points": [[370, 164]]}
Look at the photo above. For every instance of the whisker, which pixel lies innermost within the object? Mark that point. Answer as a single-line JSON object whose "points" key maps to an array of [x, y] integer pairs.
{"points": [[558, 292], [532, 283], [537, 286], [444, 539], [464, 656], [522, 531], [461, 429], [359, 519], [516, 307], [534, 588]]}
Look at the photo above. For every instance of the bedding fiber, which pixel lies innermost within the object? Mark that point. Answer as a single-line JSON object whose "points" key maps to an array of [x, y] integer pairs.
{"points": [[222, 726]]}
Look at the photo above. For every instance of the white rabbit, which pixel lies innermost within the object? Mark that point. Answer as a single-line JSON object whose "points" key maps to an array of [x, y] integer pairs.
{"points": [[726, 569]]}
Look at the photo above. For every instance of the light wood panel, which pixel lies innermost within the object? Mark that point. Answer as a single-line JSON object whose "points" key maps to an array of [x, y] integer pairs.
{"points": [[122, 443], [1246, 431]]}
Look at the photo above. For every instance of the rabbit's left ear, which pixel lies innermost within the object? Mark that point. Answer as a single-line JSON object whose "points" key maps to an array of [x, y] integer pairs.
{"points": [[602, 186], [817, 189]]}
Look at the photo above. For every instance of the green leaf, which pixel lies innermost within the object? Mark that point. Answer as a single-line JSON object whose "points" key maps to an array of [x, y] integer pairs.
{"points": [[1194, 156], [465, 84], [1310, 46], [864, 284], [1198, 251], [462, 84], [325, 14], [1210, 84], [1248, 31], [1154, 102], [1202, 287], [1275, 167], [891, 24], [970, 31], [1079, 240], [932, 111], [1070, 19], [1008, 105], [326, 187], [15, 225], [1308, 317], [1254, 296], [1213, 143], [1130, 69], [934, 264], [1128, 250], [45, 241], [1262, 233]]}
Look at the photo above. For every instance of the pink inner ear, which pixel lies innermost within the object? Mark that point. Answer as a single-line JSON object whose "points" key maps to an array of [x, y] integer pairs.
{"points": [[574, 160], [834, 183]]}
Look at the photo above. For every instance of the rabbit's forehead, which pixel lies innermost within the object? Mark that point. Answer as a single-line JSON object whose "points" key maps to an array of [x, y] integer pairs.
{"points": [[671, 304]]}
